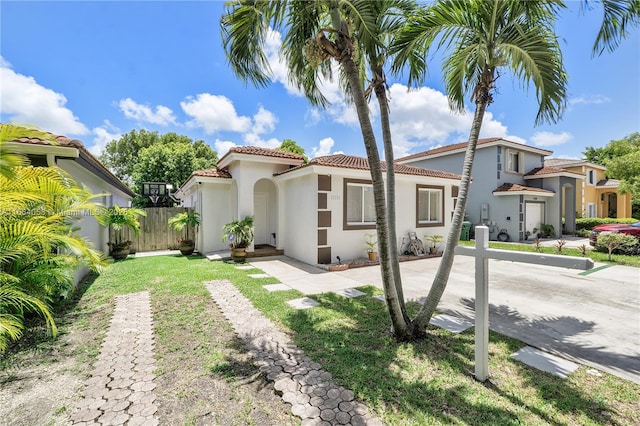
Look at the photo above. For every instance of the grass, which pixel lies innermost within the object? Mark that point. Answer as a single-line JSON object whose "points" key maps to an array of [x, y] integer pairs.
{"points": [[597, 256], [419, 383], [430, 382]]}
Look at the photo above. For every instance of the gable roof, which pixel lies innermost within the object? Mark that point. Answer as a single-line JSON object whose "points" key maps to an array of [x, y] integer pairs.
{"points": [[344, 161], [215, 172], [460, 147], [563, 163], [547, 172], [257, 151], [84, 158], [516, 189], [608, 183]]}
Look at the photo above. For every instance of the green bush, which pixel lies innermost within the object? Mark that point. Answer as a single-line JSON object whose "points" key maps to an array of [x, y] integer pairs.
{"points": [[590, 222], [620, 243]]}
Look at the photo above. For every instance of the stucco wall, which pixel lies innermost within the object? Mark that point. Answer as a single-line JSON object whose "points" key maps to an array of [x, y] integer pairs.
{"points": [[214, 207], [89, 226], [298, 224]]}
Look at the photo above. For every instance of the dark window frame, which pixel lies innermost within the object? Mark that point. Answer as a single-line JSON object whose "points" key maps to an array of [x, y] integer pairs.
{"points": [[442, 202], [345, 225]]}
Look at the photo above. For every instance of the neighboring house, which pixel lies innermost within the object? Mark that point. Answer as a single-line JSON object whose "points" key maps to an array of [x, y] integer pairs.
{"points": [[315, 211], [71, 156], [597, 196], [511, 191]]}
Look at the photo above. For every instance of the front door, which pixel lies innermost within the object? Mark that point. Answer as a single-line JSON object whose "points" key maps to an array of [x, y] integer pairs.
{"points": [[261, 218], [533, 217]]}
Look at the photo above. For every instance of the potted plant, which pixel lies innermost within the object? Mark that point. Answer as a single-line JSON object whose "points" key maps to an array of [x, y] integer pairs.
{"points": [[435, 240], [527, 234], [119, 218], [371, 245], [547, 230], [188, 219], [240, 235]]}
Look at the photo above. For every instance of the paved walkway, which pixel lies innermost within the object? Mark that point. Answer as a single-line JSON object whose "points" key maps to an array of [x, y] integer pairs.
{"points": [[310, 390], [588, 317], [120, 389]]}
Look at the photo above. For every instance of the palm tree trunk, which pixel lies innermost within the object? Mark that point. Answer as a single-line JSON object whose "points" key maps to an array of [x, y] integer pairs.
{"points": [[421, 320], [394, 260], [401, 327]]}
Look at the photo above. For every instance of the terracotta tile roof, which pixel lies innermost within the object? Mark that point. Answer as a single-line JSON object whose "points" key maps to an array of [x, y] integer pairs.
{"points": [[557, 162], [85, 155], [608, 183], [445, 148], [361, 163], [265, 152], [212, 173], [60, 140], [546, 170], [514, 187]]}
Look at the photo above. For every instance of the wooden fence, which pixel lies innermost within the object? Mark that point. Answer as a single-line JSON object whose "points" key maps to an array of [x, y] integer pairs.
{"points": [[155, 233]]}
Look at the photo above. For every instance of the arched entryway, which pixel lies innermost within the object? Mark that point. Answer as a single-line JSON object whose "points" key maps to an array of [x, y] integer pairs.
{"points": [[265, 208]]}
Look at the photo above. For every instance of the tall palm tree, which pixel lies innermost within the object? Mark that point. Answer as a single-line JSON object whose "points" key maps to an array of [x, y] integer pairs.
{"points": [[481, 39], [617, 17], [314, 33]]}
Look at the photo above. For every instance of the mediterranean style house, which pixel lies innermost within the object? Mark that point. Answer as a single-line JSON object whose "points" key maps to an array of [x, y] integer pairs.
{"points": [[512, 192], [597, 196], [312, 211], [71, 156]]}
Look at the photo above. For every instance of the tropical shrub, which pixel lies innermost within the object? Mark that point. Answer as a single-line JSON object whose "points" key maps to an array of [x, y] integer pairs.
{"points": [[612, 241], [39, 244]]}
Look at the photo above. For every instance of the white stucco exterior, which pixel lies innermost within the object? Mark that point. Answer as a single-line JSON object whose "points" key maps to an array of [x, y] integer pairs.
{"points": [[284, 197]]}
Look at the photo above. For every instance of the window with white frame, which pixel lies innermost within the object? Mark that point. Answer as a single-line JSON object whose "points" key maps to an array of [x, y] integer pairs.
{"points": [[429, 205], [591, 210], [359, 208], [591, 176], [513, 161]]}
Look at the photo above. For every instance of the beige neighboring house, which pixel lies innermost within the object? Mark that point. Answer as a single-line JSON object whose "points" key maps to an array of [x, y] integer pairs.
{"points": [[71, 156], [316, 211], [597, 196]]}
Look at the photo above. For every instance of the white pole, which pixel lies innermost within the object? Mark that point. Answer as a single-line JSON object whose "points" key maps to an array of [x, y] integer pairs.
{"points": [[482, 304]]}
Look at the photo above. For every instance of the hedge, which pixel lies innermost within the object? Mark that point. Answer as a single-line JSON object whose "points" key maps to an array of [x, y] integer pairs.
{"points": [[590, 222]]}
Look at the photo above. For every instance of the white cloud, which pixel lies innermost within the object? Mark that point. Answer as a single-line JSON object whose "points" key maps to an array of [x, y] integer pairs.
{"points": [[264, 121], [102, 136], [27, 102], [323, 148], [162, 116], [222, 147], [550, 139], [421, 119], [214, 113], [588, 100]]}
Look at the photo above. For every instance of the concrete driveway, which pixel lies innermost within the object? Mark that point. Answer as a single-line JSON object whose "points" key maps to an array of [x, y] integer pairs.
{"points": [[591, 318]]}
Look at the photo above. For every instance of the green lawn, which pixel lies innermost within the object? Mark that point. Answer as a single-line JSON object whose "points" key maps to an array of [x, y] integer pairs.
{"points": [[420, 383], [617, 259]]}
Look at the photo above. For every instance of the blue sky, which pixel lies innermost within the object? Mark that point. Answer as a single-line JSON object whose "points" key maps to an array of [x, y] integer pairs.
{"points": [[97, 70]]}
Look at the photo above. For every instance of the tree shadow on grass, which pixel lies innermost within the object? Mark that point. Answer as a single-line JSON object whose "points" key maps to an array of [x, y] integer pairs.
{"points": [[429, 380]]}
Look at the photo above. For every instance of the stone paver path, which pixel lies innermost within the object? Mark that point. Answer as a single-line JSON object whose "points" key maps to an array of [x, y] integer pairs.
{"points": [[120, 390], [310, 390]]}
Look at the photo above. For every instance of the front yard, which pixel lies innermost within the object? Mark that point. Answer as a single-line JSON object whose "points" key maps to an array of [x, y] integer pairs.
{"points": [[204, 376]]}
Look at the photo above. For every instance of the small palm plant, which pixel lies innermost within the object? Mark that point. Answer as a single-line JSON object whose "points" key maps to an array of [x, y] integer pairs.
{"points": [[239, 233], [119, 218], [185, 220]]}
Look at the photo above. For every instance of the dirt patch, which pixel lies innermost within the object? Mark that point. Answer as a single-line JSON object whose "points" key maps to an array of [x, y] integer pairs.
{"points": [[217, 383], [203, 373]]}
